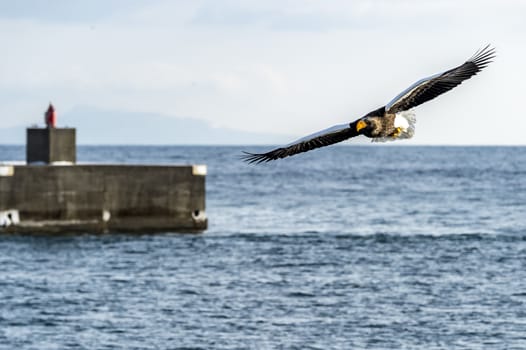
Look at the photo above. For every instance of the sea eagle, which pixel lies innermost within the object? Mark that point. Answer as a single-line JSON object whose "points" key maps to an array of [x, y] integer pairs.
{"points": [[394, 121]]}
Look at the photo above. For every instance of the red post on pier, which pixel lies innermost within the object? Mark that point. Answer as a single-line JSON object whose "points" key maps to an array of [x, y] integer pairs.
{"points": [[50, 117]]}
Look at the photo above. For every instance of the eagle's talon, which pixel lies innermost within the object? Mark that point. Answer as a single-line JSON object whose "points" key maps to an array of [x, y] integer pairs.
{"points": [[396, 133]]}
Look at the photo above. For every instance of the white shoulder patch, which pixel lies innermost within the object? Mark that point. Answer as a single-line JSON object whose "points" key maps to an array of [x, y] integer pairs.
{"points": [[409, 90]]}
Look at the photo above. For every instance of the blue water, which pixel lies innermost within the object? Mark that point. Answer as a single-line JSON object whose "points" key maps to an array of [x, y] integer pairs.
{"points": [[363, 247]]}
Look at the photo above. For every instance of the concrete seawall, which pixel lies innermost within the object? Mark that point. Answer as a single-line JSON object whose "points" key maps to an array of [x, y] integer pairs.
{"points": [[100, 198]]}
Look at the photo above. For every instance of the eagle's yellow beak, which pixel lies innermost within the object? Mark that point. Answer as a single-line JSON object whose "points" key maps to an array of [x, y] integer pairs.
{"points": [[360, 125]]}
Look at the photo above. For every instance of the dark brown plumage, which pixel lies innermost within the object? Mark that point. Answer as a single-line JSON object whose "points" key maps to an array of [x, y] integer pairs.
{"points": [[328, 138], [429, 88], [388, 123]]}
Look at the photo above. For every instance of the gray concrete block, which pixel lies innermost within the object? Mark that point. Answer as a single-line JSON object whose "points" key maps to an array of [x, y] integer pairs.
{"points": [[51, 145], [104, 198]]}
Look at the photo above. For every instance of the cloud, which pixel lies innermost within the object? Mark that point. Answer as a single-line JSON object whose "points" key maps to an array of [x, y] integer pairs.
{"points": [[287, 67], [65, 10]]}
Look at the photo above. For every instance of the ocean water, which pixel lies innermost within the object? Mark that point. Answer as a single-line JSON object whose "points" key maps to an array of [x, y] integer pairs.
{"points": [[352, 247]]}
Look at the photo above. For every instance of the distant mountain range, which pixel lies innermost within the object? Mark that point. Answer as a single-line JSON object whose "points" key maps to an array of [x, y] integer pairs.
{"points": [[104, 127]]}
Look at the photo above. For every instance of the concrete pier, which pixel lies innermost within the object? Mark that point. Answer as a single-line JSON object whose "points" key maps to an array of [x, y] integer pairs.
{"points": [[101, 198], [58, 195]]}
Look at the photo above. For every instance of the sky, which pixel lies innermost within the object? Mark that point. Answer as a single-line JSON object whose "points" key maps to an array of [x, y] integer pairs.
{"points": [[285, 67]]}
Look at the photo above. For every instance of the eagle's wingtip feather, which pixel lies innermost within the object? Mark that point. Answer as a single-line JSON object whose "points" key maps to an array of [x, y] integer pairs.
{"points": [[254, 158]]}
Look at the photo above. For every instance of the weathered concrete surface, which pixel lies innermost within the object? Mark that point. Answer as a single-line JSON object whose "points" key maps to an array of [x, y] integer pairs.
{"points": [[51, 145], [104, 198]]}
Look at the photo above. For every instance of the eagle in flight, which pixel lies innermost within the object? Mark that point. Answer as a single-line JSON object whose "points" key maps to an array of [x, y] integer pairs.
{"points": [[394, 121]]}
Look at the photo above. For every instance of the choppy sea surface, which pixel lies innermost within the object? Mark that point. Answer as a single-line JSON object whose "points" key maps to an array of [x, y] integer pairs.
{"points": [[352, 247]]}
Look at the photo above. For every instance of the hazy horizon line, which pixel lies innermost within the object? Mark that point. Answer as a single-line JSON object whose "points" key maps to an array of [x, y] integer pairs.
{"points": [[371, 144]]}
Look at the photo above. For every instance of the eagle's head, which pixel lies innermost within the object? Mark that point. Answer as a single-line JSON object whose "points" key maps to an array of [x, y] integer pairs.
{"points": [[368, 126]]}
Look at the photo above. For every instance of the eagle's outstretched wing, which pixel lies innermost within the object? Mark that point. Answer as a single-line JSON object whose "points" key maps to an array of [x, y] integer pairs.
{"points": [[430, 87], [322, 138]]}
